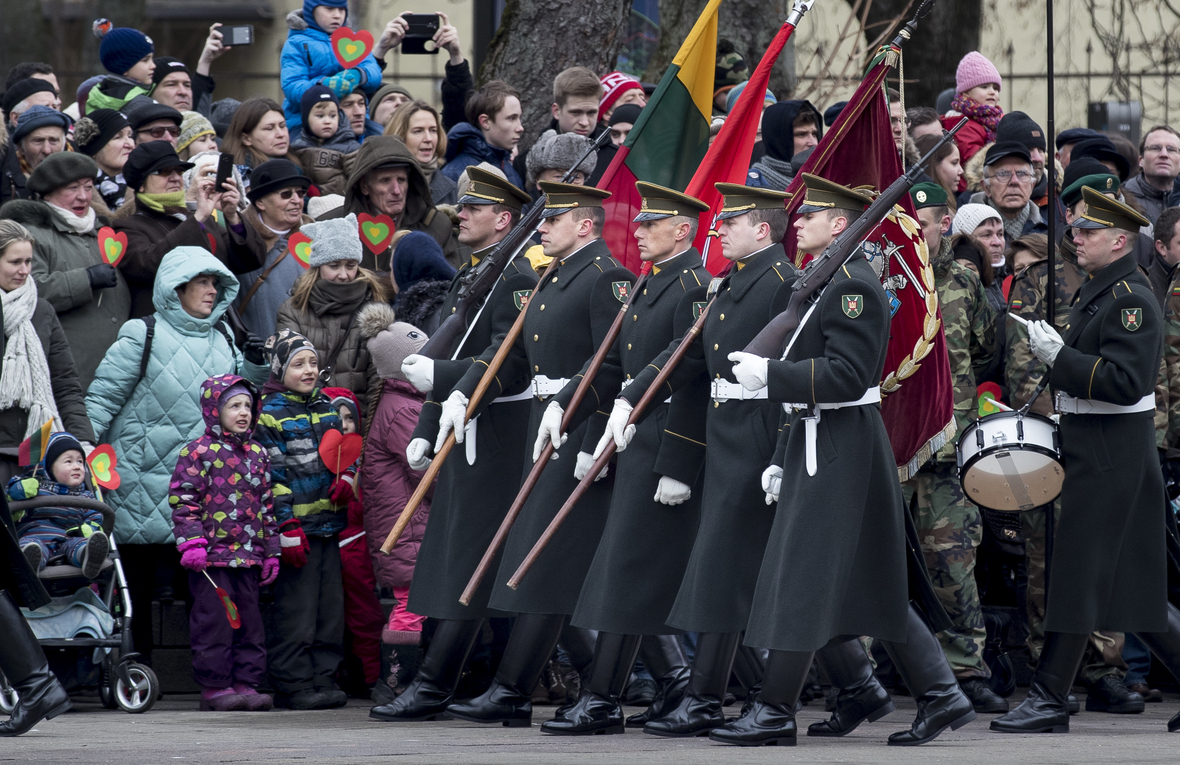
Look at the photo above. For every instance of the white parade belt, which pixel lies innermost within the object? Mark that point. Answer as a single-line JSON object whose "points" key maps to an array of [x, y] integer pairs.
{"points": [[472, 427], [628, 381], [547, 386], [811, 424], [724, 390], [1067, 404]]}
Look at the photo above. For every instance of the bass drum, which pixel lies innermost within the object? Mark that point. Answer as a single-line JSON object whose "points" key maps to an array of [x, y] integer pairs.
{"points": [[1011, 461]]}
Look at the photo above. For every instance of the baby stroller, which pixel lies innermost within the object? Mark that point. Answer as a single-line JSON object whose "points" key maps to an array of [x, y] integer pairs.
{"points": [[124, 683]]}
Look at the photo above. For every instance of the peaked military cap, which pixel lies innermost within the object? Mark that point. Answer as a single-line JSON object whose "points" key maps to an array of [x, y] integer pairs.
{"points": [[490, 189], [740, 199], [823, 194], [927, 195], [1104, 212], [563, 197], [659, 203]]}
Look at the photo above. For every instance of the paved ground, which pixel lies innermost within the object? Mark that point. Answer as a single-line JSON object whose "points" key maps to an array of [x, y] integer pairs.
{"points": [[174, 732]]}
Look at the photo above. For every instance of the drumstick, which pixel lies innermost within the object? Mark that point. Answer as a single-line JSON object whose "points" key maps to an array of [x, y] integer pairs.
{"points": [[1020, 319]]}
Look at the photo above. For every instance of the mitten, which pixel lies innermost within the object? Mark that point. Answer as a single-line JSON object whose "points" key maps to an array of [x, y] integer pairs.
{"points": [[341, 490], [102, 277], [293, 543], [254, 349], [270, 570], [194, 556]]}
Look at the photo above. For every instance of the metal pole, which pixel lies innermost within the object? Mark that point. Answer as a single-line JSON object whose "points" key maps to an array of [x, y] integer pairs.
{"points": [[1051, 276]]}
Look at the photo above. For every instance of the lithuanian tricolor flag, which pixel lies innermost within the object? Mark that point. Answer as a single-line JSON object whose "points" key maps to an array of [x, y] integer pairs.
{"points": [[32, 450], [669, 140]]}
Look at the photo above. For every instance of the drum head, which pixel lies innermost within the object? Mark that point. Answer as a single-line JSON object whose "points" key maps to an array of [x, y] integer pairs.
{"points": [[1019, 477]]}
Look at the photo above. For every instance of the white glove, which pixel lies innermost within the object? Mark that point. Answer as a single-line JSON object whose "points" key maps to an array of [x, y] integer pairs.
{"points": [[750, 370], [416, 454], [1044, 341], [617, 428], [585, 462], [672, 492], [772, 481], [550, 430], [453, 418], [419, 372]]}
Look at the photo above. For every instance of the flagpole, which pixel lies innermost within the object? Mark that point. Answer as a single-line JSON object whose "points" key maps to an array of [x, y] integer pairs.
{"points": [[1050, 146]]}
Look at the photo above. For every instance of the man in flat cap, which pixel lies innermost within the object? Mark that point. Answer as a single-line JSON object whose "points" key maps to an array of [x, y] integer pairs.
{"points": [[472, 495], [949, 526], [840, 518], [740, 429], [655, 506], [1108, 568], [566, 320]]}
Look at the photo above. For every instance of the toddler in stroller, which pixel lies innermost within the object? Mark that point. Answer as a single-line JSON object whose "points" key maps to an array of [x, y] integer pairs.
{"points": [[69, 535]]}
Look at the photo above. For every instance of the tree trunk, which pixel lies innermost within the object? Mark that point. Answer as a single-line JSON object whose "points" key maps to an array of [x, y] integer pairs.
{"points": [[950, 32], [539, 38], [23, 34], [749, 24]]}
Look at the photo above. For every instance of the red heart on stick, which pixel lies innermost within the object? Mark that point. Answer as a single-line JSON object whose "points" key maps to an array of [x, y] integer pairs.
{"points": [[376, 231], [339, 450], [111, 246], [299, 245], [350, 48], [212, 242], [102, 462]]}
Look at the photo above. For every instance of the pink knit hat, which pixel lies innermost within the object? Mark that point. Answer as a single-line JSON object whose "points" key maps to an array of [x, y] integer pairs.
{"points": [[975, 70]]}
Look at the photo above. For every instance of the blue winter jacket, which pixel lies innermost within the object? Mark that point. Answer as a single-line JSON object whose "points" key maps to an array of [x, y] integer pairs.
{"points": [[307, 60], [149, 420], [466, 147]]}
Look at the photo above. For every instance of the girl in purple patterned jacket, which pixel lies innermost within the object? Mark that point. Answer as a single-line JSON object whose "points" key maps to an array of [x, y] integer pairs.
{"points": [[224, 523]]}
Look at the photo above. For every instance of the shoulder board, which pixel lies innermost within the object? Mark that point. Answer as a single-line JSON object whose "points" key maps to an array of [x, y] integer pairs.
{"points": [[1115, 290], [689, 280], [779, 267]]}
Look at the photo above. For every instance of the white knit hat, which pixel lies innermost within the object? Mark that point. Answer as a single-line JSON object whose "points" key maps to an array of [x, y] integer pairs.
{"points": [[970, 216], [333, 240]]}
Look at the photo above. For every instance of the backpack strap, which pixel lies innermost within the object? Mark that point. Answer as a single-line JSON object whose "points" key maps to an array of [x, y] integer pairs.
{"points": [[149, 321]]}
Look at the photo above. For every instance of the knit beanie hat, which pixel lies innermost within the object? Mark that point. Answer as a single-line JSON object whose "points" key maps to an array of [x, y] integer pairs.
{"points": [[237, 389], [60, 443], [222, 114], [1086, 171], [970, 216], [193, 126], [389, 341], [384, 91], [625, 113], [96, 129], [60, 169], [418, 257], [309, 7], [334, 239], [282, 347], [558, 152], [975, 70], [166, 65], [21, 90], [316, 94], [731, 99], [339, 397], [1019, 127], [614, 85], [121, 47]]}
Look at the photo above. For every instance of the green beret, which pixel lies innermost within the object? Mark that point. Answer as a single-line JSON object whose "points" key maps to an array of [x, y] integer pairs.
{"points": [[1101, 182], [928, 195], [61, 169]]}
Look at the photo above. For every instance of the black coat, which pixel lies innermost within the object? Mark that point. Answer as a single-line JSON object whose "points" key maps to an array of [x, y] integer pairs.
{"points": [[567, 320], [835, 563], [718, 585], [640, 561], [470, 501], [1108, 570]]}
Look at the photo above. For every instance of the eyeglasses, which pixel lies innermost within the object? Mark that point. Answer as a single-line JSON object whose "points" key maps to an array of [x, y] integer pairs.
{"points": [[1003, 176], [1156, 148], [286, 194], [159, 131]]}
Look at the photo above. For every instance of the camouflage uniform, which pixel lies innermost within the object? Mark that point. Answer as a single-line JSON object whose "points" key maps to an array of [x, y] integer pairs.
{"points": [[949, 526], [1167, 421], [1022, 373]]}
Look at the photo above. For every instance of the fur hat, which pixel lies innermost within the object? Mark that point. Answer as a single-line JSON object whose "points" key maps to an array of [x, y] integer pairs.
{"points": [[558, 152], [389, 340], [334, 239]]}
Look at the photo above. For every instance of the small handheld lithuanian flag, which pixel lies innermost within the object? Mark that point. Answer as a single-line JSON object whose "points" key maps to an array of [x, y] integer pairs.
{"points": [[32, 450]]}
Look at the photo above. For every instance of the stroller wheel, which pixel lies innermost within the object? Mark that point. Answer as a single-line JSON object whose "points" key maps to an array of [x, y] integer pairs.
{"points": [[8, 696], [141, 695]]}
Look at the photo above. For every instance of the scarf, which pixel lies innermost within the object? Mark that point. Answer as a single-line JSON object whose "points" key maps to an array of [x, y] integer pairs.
{"points": [[988, 116], [112, 188], [428, 168], [336, 298], [78, 224], [158, 202], [776, 172], [24, 381], [1014, 227]]}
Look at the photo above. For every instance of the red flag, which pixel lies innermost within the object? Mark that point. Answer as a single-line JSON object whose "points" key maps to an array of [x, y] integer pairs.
{"points": [[728, 159], [918, 404]]}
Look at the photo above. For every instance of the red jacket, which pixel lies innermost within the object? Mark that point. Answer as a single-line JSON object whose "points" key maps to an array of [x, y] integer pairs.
{"points": [[970, 140], [387, 483]]}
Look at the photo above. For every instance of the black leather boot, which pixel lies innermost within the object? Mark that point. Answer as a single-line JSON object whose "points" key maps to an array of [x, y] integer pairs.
{"points": [[860, 697], [23, 662], [924, 669], [1046, 709], [772, 718], [1166, 647], [665, 661], [509, 700], [700, 708], [579, 643], [598, 709], [432, 689], [748, 667]]}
